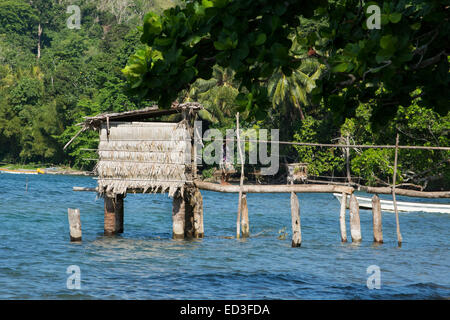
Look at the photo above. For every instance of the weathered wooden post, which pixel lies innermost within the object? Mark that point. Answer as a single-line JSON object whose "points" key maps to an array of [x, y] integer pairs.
{"points": [[113, 223], [295, 216], [399, 235], [74, 224], [355, 225], [198, 214], [377, 225], [178, 216], [342, 218], [189, 213], [241, 182], [244, 222], [120, 211]]}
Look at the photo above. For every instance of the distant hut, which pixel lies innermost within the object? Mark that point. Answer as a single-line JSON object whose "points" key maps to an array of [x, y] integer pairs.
{"points": [[137, 156], [297, 172]]}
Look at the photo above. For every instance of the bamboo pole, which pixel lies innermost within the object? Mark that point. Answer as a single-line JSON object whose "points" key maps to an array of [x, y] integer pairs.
{"points": [[241, 183], [75, 136], [342, 217], [74, 224], [295, 217], [377, 225], [399, 235], [355, 225], [244, 222]]}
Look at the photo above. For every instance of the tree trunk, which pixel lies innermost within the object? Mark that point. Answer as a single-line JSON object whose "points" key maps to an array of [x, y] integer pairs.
{"points": [[39, 41]]}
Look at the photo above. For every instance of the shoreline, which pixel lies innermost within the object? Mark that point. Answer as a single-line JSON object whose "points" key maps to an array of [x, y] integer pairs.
{"points": [[31, 169]]}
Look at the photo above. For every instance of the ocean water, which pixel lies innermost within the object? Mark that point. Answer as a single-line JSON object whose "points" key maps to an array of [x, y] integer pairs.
{"points": [[145, 263]]}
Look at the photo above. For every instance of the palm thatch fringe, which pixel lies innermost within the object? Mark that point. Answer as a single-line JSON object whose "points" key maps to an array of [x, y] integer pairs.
{"points": [[143, 155]]}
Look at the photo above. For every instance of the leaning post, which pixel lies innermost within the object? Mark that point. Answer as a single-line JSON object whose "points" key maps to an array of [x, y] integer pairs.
{"points": [[241, 182], [397, 222]]}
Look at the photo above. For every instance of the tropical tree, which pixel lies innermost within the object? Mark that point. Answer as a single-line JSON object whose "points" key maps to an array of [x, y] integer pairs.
{"points": [[254, 39], [217, 95], [292, 92]]}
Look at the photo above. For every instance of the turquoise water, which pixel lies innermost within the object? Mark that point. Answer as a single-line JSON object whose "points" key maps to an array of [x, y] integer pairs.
{"points": [[145, 263]]}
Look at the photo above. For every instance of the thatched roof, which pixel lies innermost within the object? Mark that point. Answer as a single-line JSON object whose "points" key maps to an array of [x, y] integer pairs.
{"points": [[96, 122], [141, 114], [150, 156]]}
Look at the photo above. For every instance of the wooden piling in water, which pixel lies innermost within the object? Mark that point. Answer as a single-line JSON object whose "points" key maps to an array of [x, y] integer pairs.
{"points": [[245, 226], [120, 211], [377, 225], [296, 226], [241, 182], [178, 216], [342, 218], [113, 221], [74, 224], [397, 222], [355, 225], [198, 214]]}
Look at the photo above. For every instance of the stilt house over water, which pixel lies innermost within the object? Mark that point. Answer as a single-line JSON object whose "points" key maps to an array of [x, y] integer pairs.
{"points": [[137, 156]]}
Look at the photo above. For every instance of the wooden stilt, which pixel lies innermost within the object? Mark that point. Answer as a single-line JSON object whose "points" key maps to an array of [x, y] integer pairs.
{"points": [[113, 222], [189, 206], [74, 224], [355, 226], [399, 235], [244, 222], [241, 182], [296, 227], [377, 225], [342, 218], [120, 210], [198, 214], [178, 216]]}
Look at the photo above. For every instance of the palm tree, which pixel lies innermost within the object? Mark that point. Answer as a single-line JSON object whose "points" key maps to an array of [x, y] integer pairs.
{"points": [[217, 96], [291, 92]]}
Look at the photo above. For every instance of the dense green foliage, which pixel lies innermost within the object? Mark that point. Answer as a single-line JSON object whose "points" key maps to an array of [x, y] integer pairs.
{"points": [[309, 68], [255, 39], [77, 74], [364, 84]]}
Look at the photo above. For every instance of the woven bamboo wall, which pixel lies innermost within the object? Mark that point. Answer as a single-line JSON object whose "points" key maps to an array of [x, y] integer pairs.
{"points": [[153, 156]]}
